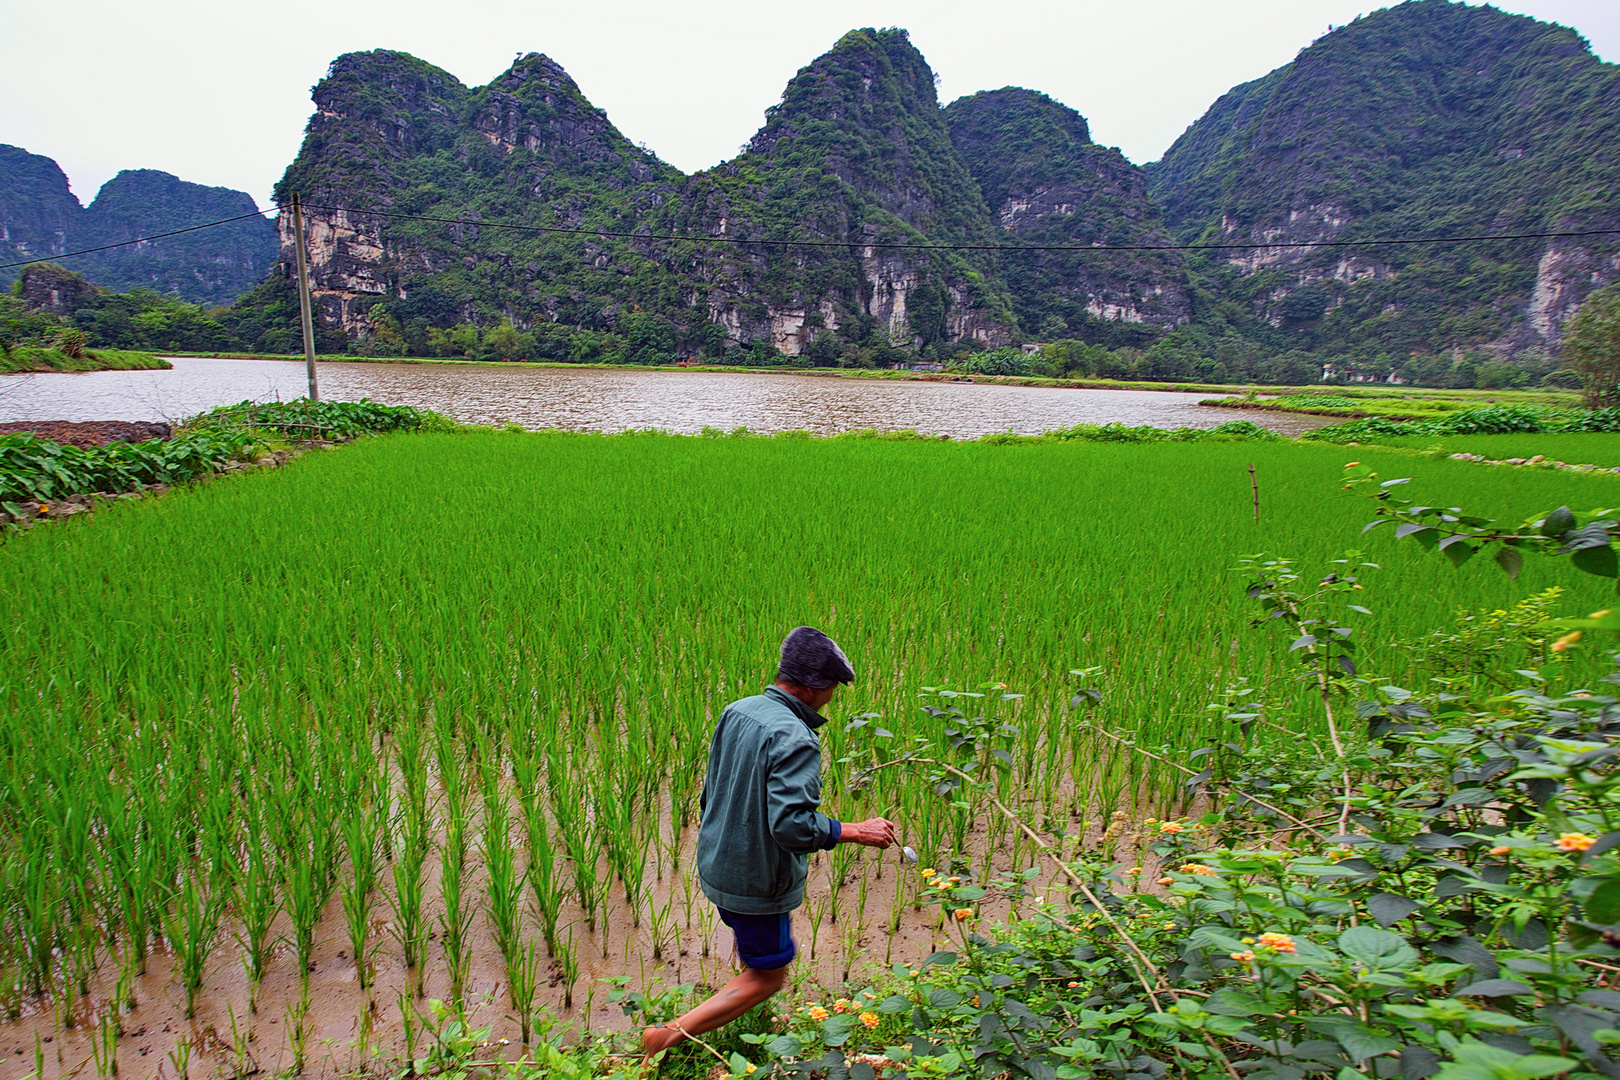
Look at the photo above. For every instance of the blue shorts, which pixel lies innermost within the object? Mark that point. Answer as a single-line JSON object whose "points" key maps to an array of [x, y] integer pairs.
{"points": [[764, 942]]}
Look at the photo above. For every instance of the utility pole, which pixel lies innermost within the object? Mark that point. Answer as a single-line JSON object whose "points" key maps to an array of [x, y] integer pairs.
{"points": [[303, 298]]}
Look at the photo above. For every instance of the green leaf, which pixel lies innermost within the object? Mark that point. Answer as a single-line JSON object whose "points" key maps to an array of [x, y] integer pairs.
{"points": [[1596, 560], [1557, 523], [1359, 1040], [1378, 949], [1603, 906], [894, 1004], [943, 998], [1509, 560], [784, 1046]]}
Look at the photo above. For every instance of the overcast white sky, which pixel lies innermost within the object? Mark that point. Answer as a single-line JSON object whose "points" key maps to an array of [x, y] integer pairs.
{"points": [[219, 93]]}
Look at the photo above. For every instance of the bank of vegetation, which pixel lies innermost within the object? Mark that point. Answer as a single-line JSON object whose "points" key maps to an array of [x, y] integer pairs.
{"points": [[36, 473]]}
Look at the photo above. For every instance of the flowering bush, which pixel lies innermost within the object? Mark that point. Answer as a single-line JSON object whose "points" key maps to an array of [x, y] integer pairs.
{"points": [[1435, 894]]}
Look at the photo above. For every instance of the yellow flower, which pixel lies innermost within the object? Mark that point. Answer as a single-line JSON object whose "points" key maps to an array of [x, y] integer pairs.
{"points": [[1574, 841], [1598, 614], [1244, 957], [868, 994], [1169, 926], [917, 973], [818, 1014], [1167, 881], [1134, 870], [44, 508], [753, 1068], [963, 914], [929, 872], [870, 1019], [1197, 868], [1563, 643], [1074, 986], [1500, 849], [955, 881], [1280, 942], [1171, 827], [841, 1005], [1351, 464]]}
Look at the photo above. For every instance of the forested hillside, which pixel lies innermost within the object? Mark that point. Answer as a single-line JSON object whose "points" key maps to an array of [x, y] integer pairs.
{"points": [[41, 217], [1426, 119]]}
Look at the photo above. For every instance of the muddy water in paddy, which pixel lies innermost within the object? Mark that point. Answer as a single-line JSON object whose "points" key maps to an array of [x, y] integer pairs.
{"points": [[338, 1009], [617, 399]]}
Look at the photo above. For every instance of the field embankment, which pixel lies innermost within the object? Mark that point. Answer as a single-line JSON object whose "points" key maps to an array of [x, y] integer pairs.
{"points": [[492, 649], [1391, 403], [24, 358]]}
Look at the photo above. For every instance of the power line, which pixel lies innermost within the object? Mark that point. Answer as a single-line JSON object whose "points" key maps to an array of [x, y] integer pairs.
{"points": [[886, 246], [137, 240], [957, 247]]}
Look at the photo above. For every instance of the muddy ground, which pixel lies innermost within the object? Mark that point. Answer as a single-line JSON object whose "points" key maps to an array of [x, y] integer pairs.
{"points": [[350, 1032], [93, 433]]}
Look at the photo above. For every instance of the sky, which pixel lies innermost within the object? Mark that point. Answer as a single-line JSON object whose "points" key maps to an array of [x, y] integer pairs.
{"points": [[219, 93]]}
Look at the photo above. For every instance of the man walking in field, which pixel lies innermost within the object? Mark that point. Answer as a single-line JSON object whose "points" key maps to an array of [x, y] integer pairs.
{"points": [[760, 821]]}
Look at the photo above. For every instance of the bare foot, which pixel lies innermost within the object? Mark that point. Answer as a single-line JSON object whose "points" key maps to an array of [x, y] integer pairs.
{"points": [[654, 1039]]}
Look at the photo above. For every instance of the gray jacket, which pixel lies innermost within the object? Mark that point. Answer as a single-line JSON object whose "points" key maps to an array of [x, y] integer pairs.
{"points": [[759, 805]]}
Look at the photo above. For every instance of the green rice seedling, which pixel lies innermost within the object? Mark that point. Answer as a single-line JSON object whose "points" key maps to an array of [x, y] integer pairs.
{"points": [[256, 903], [104, 1047], [456, 920], [362, 833], [192, 929], [240, 1045], [542, 871], [410, 919], [504, 887], [661, 926], [816, 909], [410, 1029], [297, 1023], [523, 980], [180, 1059], [305, 894], [568, 963]]}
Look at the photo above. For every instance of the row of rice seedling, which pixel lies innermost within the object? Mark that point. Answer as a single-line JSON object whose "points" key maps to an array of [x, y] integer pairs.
{"points": [[437, 695]]}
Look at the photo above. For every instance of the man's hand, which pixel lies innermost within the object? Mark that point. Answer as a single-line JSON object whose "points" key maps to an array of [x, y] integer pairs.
{"points": [[873, 832]]}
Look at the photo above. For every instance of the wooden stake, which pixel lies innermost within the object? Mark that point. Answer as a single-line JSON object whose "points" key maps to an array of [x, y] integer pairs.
{"points": [[304, 304], [1253, 483]]}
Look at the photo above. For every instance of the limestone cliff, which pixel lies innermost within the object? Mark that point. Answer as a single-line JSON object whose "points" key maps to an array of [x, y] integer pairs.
{"points": [[856, 155]]}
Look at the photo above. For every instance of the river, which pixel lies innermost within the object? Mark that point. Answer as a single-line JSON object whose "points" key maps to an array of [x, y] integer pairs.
{"points": [[616, 399]]}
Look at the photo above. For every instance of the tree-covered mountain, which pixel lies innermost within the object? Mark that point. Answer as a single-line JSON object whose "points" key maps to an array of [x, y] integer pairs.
{"points": [[40, 217], [857, 156], [1428, 119], [1048, 185]]}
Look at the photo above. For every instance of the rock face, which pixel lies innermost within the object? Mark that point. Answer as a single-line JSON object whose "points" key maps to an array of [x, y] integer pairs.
{"points": [[394, 134], [1047, 184], [52, 288], [37, 210], [1424, 120], [855, 156], [40, 217]]}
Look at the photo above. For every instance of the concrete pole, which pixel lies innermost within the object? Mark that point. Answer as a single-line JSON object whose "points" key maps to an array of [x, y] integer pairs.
{"points": [[304, 304]]}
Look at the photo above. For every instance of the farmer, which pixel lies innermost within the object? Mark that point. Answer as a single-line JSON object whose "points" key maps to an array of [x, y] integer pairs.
{"points": [[760, 820]]}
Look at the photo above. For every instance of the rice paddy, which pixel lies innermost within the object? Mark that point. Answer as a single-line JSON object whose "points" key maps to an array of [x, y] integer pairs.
{"points": [[289, 753]]}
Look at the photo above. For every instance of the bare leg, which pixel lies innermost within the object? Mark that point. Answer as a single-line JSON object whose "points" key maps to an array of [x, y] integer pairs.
{"points": [[746, 989]]}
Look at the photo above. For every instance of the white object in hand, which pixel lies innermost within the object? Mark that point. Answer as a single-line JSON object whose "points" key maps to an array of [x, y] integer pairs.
{"points": [[911, 855]]}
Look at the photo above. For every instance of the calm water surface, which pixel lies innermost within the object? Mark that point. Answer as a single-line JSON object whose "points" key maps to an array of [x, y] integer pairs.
{"points": [[615, 399]]}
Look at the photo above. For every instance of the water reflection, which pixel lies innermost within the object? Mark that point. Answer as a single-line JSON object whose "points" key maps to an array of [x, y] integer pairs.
{"points": [[615, 399]]}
